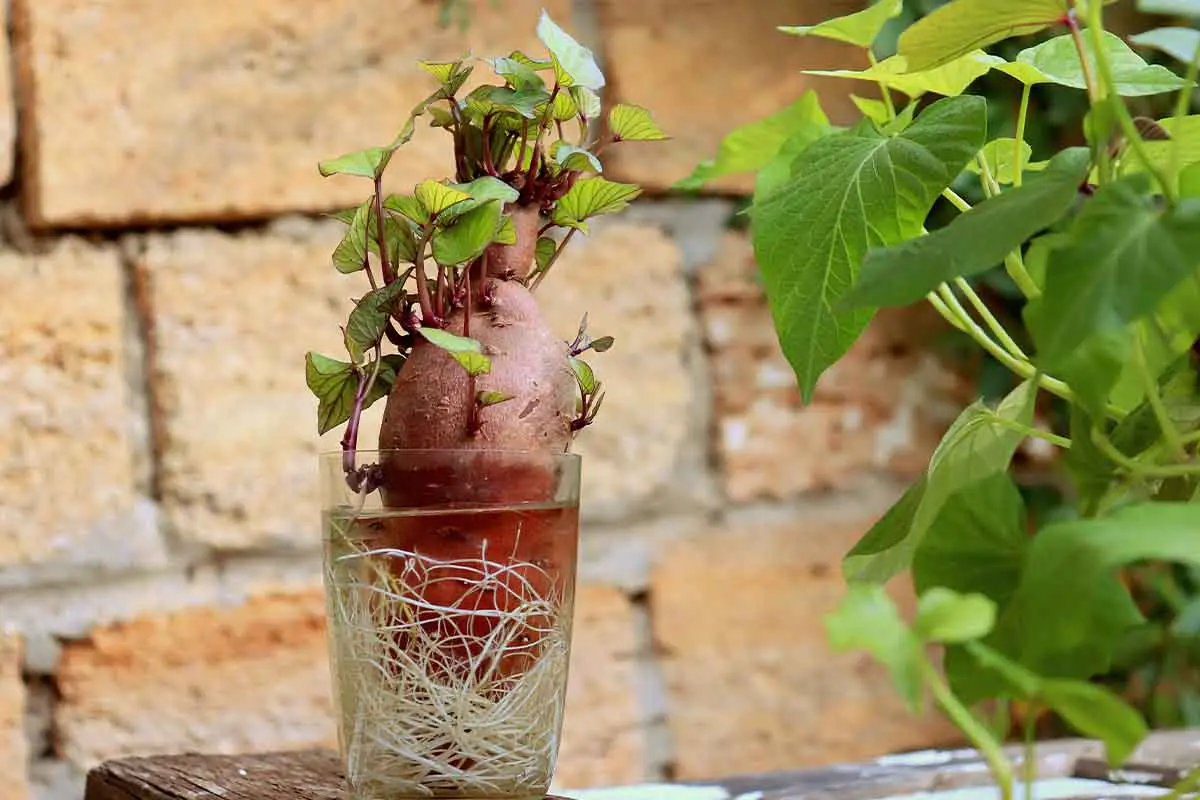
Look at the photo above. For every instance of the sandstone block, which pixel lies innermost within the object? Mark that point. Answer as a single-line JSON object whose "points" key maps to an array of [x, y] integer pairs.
{"points": [[628, 280], [14, 751], [70, 447], [705, 68], [603, 739], [752, 685], [882, 408], [222, 111], [220, 679]]}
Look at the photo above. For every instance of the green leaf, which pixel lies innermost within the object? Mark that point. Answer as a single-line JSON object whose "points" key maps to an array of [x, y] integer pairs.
{"points": [[1057, 61], [1098, 713], [630, 123], [435, 197], [1124, 256], [944, 616], [1185, 135], [1189, 180], [518, 74], [867, 619], [544, 251], [574, 64], [999, 154], [537, 64], [369, 319], [451, 74], [949, 80], [961, 26], [482, 191], [973, 242], [507, 233], [976, 542], [590, 197], [1179, 43], [587, 101], [977, 446], [335, 384], [568, 156], [346, 215], [1172, 8], [491, 398], [407, 206], [874, 110], [468, 236], [369, 163], [467, 352], [859, 28], [843, 198], [351, 252], [583, 374], [1011, 678], [526, 102], [753, 145]]}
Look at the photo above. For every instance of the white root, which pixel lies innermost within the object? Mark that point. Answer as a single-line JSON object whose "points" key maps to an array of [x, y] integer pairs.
{"points": [[429, 708]]}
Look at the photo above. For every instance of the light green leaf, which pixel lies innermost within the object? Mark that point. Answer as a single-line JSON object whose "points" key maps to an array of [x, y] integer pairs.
{"points": [[999, 154], [1098, 713], [1179, 43], [946, 617], [859, 28], [1189, 180], [1124, 256], [587, 101], [1025, 73], [564, 107], [574, 64], [466, 351], [590, 197], [539, 64], [843, 198], [977, 446], [491, 398], [482, 191], [568, 156], [867, 619], [369, 163], [544, 251], [369, 319], [469, 236], [949, 80], [961, 26], [507, 233], [1057, 60], [518, 74], [583, 374], [973, 242], [350, 255], [407, 206], [451, 74], [630, 123], [1185, 135], [435, 197], [526, 102], [335, 384], [753, 145], [874, 110], [1171, 8]]}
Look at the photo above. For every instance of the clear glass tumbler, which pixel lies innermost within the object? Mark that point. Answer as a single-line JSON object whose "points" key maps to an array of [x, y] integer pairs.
{"points": [[449, 600]]}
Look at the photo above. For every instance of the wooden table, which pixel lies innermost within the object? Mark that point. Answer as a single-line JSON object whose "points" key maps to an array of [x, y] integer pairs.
{"points": [[316, 775]]}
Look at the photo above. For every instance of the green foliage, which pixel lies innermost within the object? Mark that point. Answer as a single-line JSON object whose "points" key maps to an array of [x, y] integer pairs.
{"points": [[1098, 236], [590, 197]]}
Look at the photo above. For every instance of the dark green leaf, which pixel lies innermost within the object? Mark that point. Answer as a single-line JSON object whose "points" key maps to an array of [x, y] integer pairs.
{"points": [[959, 27], [369, 163], [335, 384], [973, 242], [369, 319], [525, 102], [435, 196], [888, 531], [753, 145], [351, 253], [630, 123], [850, 192], [584, 375], [1124, 256], [1179, 43], [859, 28], [544, 251], [1097, 713], [1057, 60], [467, 352], [602, 344], [590, 197], [867, 619], [574, 64], [946, 617], [949, 80], [469, 236], [491, 398]]}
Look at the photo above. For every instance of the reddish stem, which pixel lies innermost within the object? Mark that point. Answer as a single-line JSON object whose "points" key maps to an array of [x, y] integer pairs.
{"points": [[380, 233], [428, 317]]}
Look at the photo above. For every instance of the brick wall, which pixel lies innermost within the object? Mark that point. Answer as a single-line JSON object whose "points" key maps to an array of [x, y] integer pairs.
{"points": [[164, 267]]}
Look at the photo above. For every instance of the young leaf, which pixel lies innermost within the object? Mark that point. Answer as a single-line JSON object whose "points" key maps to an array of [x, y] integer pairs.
{"points": [[544, 251], [999, 154], [583, 374], [537, 64], [491, 398], [603, 344], [974, 448], [1179, 43], [946, 617], [590, 197], [973, 242], [525, 102], [565, 107], [351, 252], [470, 234], [574, 64], [407, 206], [1097, 713], [811, 233], [1125, 255], [874, 110], [451, 74], [751, 146], [630, 123], [335, 384], [507, 233], [587, 101], [867, 619], [369, 163], [467, 352], [568, 156], [1057, 61], [482, 191], [518, 74], [859, 28], [949, 80], [965, 25], [435, 197], [369, 319]]}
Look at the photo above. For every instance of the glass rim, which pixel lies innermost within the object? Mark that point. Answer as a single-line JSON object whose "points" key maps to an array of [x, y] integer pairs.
{"points": [[442, 451]]}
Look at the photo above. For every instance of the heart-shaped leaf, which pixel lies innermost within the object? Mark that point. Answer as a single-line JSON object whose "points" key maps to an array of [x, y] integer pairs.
{"points": [[590, 197], [859, 28], [574, 64], [1179, 43], [949, 79], [1057, 61], [466, 351], [959, 27], [630, 123]]}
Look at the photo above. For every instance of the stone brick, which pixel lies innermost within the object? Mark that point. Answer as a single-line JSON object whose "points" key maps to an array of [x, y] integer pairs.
{"points": [[8, 109], [233, 317], [14, 751], [603, 739], [752, 684], [226, 109], [628, 280], [70, 457], [219, 680], [883, 407], [705, 67]]}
